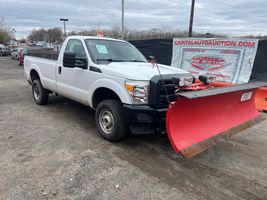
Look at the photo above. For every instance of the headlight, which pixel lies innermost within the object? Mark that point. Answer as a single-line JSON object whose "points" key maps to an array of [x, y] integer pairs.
{"points": [[138, 91], [183, 81], [207, 79]]}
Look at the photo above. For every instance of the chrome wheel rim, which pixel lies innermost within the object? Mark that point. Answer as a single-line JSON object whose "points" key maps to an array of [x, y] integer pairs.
{"points": [[106, 121], [36, 92]]}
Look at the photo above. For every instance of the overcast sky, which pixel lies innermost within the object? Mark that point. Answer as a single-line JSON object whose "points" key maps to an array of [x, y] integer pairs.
{"points": [[220, 16]]}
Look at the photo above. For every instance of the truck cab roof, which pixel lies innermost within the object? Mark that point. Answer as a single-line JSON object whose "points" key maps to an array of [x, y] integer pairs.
{"points": [[92, 37]]}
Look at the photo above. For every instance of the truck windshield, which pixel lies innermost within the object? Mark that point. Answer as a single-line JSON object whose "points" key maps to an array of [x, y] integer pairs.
{"points": [[113, 51]]}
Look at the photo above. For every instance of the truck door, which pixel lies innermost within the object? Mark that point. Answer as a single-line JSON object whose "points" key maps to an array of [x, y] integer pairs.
{"points": [[71, 80]]}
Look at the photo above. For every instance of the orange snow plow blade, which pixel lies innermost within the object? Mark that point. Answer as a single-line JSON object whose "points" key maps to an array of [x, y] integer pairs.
{"points": [[198, 120], [260, 96]]}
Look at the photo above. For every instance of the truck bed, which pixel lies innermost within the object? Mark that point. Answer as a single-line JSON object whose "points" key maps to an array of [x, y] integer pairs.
{"points": [[44, 53], [45, 66]]}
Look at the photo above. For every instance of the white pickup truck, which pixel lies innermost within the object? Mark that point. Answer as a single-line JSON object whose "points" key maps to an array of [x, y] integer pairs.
{"points": [[112, 77]]}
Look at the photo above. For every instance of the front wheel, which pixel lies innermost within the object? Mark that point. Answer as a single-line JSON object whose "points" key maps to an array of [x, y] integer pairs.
{"points": [[110, 122], [40, 94]]}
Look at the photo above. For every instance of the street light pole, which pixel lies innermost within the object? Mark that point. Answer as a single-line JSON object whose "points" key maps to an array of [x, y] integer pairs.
{"points": [[122, 19], [64, 22], [191, 19], [14, 31]]}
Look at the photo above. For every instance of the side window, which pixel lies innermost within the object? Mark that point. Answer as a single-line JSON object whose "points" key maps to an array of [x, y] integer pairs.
{"points": [[77, 47]]}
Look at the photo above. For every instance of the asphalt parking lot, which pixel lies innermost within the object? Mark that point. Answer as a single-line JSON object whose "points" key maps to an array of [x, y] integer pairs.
{"points": [[55, 152]]}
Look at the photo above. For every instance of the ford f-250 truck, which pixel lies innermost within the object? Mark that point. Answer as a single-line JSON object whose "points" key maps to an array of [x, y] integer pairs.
{"points": [[129, 93], [112, 77]]}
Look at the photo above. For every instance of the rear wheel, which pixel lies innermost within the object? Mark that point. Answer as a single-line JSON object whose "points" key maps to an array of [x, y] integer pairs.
{"points": [[40, 95], [110, 122]]}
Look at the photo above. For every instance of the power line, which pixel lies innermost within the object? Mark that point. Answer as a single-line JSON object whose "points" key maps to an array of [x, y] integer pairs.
{"points": [[199, 11], [156, 2], [187, 5], [228, 4], [176, 5]]}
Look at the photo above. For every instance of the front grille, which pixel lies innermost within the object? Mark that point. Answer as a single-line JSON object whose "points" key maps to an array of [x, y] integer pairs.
{"points": [[159, 95]]}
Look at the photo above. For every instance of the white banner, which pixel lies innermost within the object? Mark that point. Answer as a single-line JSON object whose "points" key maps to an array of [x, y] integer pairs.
{"points": [[230, 60]]}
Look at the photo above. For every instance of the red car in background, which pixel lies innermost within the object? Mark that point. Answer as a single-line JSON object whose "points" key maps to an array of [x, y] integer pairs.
{"points": [[21, 56]]}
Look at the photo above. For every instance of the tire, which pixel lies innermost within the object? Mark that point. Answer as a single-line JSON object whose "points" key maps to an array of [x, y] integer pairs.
{"points": [[39, 94], [109, 112]]}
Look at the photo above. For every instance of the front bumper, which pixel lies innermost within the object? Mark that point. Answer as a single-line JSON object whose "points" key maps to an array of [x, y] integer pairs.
{"points": [[142, 114]]}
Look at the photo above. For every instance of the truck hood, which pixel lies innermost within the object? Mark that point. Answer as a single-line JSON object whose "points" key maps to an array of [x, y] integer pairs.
{"points": [[137, 70]]}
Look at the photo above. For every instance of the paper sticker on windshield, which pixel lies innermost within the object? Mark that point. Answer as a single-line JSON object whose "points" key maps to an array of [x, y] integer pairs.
{"points": [[101, 49]]}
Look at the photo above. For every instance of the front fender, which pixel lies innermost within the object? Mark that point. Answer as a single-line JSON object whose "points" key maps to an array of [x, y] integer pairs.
{"points": [[112, 85]]}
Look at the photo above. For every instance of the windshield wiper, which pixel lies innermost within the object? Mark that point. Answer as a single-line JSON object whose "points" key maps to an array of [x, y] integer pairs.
{"points": [[114, 60], [134, 61], [109, 60]]}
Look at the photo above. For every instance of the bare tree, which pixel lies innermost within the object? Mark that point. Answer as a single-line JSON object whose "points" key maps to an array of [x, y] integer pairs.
{"points": [[6, 33], [154, 33], [50, 35], [116, 31], [54, 35]]}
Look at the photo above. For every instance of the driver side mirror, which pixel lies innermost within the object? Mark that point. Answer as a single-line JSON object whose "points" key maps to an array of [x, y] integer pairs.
{"points": [[70, 60]]}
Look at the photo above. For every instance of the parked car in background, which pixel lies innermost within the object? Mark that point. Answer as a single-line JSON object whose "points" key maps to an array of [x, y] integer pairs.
{"points": [[40, 43], [4, 51], [21, 56], [13, 44], [48, 46], [15, 53]]}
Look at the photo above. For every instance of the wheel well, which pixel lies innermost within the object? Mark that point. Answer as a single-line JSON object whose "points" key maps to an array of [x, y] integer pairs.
{"points": [[103, 94], [34, 75]]}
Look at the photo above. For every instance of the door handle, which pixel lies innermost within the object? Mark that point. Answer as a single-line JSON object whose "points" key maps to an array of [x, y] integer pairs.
{"points": [[59, 69]]}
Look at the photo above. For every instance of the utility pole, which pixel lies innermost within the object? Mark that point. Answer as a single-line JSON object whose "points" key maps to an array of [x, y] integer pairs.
{"points": [[14, 31], [122, 19], [64, 22], [191, 19]]}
